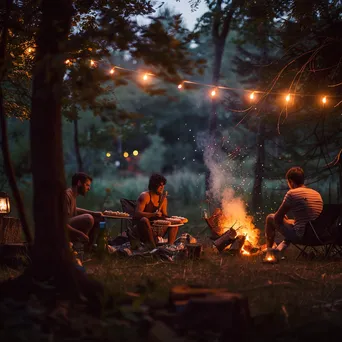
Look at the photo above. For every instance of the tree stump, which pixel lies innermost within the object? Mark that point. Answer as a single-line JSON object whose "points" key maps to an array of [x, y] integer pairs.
{"points": [[194, 250], [221, 312]]}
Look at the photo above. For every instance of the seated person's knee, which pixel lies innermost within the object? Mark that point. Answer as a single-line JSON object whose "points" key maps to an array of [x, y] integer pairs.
{"points": [[145, 220], [89, 219], [270, 218]]}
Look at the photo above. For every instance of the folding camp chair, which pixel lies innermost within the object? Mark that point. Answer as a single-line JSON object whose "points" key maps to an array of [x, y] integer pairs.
{"points": [[128, 206], [323, 236]]}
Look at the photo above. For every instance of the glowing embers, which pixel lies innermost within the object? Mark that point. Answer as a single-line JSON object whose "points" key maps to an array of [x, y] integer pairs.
{"points": [[270, 258]]}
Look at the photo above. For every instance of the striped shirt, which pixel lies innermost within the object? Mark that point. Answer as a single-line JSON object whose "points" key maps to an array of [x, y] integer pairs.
{"points": [[306, 205]]}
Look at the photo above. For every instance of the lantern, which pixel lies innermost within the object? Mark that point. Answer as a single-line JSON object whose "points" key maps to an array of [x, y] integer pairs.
{"points": [[5, 207]]}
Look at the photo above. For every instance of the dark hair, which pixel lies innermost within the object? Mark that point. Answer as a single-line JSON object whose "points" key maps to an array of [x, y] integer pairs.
{"points": [[155, 180], [296, 174], [80, 176]]}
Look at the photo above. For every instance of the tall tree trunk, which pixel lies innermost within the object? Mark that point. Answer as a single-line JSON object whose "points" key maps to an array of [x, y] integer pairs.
{"points": [[4, 135], [259, 170], [51, 257], [77, 147]]}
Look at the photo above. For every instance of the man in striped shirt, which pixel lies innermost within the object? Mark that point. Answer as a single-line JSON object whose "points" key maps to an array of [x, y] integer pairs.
{"points": [[304, 203]]}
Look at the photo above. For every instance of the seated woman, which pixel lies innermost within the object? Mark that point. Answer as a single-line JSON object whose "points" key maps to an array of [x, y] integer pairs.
{"points": [[150, 208]]}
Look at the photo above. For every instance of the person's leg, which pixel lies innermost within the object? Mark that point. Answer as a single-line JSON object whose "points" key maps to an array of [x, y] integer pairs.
{"points": [[172, 235], [94, 232], [145, 232], [84, 223], [270, 228]]}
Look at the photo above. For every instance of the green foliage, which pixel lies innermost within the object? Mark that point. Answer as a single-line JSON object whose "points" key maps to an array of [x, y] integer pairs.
{"points": [[152, 159]]}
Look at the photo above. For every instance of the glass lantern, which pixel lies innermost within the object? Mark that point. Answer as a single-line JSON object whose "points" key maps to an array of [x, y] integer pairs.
{"points": [[5, 207]]}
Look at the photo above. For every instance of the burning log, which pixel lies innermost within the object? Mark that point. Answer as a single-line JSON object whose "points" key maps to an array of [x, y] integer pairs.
{"points": [[247, 247], [225, 240], [237, 244]]}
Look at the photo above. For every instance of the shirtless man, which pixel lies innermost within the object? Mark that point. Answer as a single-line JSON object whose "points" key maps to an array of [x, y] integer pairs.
{"points": [[82, 224], [147, 211]]}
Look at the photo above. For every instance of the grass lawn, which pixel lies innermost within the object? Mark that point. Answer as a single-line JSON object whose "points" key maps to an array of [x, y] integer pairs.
{"points": [[289, 295]]}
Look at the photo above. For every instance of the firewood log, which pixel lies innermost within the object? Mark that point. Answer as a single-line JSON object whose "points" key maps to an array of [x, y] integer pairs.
{"points": [[225, 240]]}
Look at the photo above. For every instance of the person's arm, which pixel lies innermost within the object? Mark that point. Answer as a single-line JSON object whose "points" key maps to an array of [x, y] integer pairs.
{"points": [[163, 208], [78, 232], [81, 211], [141, 204], [285, 207]]}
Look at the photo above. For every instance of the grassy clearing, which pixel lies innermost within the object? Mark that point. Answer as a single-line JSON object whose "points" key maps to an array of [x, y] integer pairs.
{"points": [[283, 288]]}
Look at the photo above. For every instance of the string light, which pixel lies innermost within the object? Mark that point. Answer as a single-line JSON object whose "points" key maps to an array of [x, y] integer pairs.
{"points": [[108, 154], [213, 92], [126, 154], [135, 153]]}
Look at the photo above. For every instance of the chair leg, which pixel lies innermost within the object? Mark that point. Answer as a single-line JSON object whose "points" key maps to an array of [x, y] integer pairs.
{"points": [[302, 251]]}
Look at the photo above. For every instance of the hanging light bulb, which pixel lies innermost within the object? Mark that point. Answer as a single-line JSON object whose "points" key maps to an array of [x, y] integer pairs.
{"points": [[213, 93], [145, 77], [126, 154], [92, 63], [108, 154], [135, 153], [112, 71], [324, 100], [288, 98], [252, 96], [180, 86]]}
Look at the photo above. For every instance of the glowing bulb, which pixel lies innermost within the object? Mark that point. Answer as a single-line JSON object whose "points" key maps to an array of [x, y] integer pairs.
{"points": [[213, 93], [252, 96], [145, 77], [180, 86], [92, 63], [29, 50], [288, 98], [112, 71], [67, 62], [135, 153], [126, 154], [108, 154], [324, 100]]}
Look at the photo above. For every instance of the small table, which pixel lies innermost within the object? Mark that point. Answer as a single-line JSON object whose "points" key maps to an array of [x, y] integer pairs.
{"points": [[118, 217]]}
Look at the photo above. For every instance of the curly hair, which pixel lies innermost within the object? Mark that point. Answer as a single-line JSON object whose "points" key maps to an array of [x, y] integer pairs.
{"points": [[155, 180], [296, 174]]}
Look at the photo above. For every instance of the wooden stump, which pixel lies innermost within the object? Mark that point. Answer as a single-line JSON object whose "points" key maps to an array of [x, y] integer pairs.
{"points": [[221, 312], [237, 244], [194, 250]]}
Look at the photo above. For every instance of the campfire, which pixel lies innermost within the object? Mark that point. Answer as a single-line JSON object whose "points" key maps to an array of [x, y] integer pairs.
{"points": [[234, 232]]}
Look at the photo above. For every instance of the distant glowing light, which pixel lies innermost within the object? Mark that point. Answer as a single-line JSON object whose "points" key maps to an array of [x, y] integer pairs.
{"points": [[112, 71], [145, 77], [213, 93], [92, 63], [68, 62], [180, 86], [252, 96], [135, 153], [288, 98], [126, 154], [324, 100], [108, 154]]}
